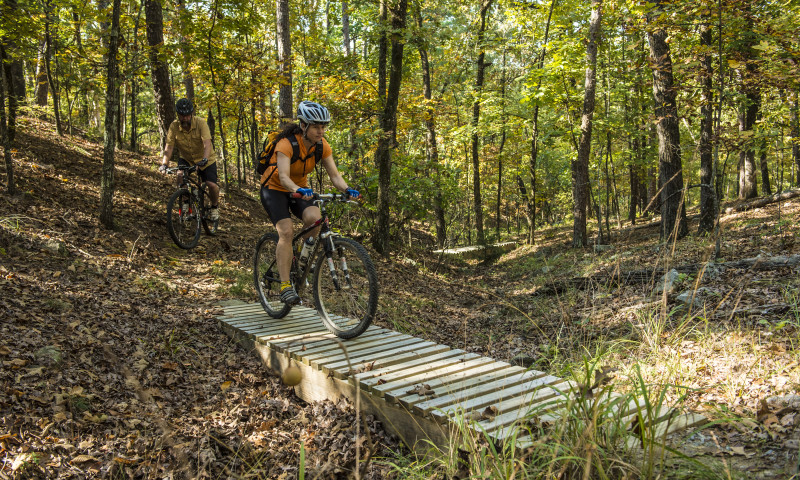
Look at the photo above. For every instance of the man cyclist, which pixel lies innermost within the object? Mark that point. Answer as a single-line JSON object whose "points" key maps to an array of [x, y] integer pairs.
{"points": [[292, 177], [193, 138]]}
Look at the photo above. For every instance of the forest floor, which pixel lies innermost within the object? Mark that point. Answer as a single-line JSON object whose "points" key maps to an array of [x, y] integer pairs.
{"points": [[114, 366]]}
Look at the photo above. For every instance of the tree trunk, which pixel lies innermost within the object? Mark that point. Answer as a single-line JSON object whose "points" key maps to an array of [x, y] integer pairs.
{"points": [[476, 114], [11, 187], [50, 74], [673, 214], [111, 122], [284, 62], [345, 28], [530, 200], [708, 202], [188, 79], [795, 134], [165, 109], [388, 120], [748, 112], [432, 149], [41, 75], [383, 50], [766, 185], [580, 166]]}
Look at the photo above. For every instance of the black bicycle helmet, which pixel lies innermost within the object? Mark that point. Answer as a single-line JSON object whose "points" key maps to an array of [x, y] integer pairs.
{"points": [[312, 113], [184, 106]]}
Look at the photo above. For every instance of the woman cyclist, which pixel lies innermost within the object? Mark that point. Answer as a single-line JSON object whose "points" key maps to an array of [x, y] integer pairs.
{"points": [[292, 177]]}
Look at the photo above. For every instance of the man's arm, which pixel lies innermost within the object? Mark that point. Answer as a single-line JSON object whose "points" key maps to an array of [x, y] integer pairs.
{"points": [[167, 155]]}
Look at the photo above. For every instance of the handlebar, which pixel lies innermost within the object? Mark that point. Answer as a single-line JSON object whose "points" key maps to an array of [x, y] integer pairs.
{"points": [[187, 169], [327, 197]]}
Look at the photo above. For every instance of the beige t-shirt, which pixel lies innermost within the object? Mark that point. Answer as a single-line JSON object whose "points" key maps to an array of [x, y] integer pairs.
{"points": [[190, 143]]}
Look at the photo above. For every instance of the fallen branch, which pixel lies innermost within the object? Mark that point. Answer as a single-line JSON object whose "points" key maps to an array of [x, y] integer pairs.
{"points": [[764, 201]]}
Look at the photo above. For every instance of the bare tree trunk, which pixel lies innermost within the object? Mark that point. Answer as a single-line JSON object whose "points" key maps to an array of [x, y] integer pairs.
{"points": [[383, 50], [165, 109], [766, 185], [41, 75], [111, 122], [708, 209], [748, 113], [476, 114], [580, 166], [188, 79], [11, 187], [388, 120], [673, 213], [432, 149], [284, 39], [345, 28], [795, 133], [530, 204], [50, 74]]}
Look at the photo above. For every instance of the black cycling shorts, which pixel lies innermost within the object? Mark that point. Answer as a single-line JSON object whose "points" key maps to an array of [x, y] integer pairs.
{"points": [[208, 174], [278, 205]]}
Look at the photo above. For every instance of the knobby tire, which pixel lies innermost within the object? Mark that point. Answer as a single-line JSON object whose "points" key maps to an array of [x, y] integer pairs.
{"points": [[210, 226], [266, 277], [183, 227], [346, 303]]}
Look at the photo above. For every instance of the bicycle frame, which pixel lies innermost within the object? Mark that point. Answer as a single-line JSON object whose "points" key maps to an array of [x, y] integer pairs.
{"points": [[192, 183], [325, 235]]}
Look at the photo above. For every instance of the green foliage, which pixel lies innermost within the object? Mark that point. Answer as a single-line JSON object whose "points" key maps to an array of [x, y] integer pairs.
{"points": [[228, 48]]}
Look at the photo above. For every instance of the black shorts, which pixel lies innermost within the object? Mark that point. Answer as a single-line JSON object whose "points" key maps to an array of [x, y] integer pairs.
{"points": [[208, 174], [278, 204]]}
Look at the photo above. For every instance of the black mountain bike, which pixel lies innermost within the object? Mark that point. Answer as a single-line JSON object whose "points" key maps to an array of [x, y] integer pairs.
{"points": [[188, 208], [343, 278]]}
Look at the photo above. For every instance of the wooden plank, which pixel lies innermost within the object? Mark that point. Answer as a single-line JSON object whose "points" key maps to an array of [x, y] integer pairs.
{"points": [[398, 353], [519, 408], [367, 379], [390, 358], [493, 398], [269, 321], [231, 310], [384, 341], [458, 396], [367, 352], [313, 350], [475, 376], [373, 354], [428, 373], [281, 342], [277, 328], [291, 347], [260, 331], [242, 318]]}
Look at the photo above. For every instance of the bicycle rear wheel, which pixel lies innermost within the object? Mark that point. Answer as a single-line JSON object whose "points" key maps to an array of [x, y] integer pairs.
{"points": [[210, 226], [266, 278], [183, 223], [346, 288]]}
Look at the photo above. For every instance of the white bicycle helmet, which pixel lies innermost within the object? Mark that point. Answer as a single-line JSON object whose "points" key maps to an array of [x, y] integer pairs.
{"points": [[312, 113]]}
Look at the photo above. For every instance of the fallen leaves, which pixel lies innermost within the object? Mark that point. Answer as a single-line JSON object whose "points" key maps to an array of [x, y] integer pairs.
{"points": [[423, 390]]}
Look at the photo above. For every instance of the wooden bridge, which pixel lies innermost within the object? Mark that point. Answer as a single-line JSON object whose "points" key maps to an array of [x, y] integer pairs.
{"points": [[418, 389]]}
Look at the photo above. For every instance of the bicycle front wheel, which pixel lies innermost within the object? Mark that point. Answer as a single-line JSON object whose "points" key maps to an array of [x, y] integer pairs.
{"points": [[210, 226], [266, 278], [346, 288], [183, 219]]}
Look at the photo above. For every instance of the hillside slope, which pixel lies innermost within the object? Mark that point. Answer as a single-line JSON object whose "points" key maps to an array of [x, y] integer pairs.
{"points": [[112, 362]]}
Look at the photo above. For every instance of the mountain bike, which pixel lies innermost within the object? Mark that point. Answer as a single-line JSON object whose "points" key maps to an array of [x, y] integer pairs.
{"points": [[188, 208], [344, 282]]}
